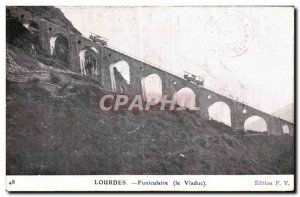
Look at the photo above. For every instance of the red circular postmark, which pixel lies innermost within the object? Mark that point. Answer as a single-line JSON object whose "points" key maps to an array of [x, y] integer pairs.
{"points": [[230, 32]]}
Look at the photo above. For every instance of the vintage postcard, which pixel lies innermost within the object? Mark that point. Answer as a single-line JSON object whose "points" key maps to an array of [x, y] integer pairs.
{"points": [[150, 98]]}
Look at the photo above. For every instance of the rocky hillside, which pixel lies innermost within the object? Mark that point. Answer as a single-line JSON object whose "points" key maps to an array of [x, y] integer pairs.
{"points": [[51, 14], [55, 126]]}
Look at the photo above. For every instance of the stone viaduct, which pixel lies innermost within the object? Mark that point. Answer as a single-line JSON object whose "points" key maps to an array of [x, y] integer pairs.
{"points": [[106, 58]]}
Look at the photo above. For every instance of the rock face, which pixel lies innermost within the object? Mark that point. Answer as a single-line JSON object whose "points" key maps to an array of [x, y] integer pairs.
{"points": [[55, 126], [51, 14]]}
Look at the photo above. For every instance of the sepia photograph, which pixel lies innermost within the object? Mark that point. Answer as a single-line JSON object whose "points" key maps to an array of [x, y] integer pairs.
{"points": [[166, 96]]}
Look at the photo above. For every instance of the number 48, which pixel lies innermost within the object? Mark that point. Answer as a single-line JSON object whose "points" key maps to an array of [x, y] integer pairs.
{"points": [[12, 182]]}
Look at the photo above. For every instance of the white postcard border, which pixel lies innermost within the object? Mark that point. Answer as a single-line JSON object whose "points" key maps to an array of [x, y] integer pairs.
{"points": [[148, 183]]}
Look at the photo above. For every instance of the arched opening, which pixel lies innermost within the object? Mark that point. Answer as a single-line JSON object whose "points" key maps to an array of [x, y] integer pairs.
{"points": [[120, 75], [185, 97], [285, 129], [32, 26], [220, 112], [255, 123], [88, 61], [59, 47], [151, 87]]}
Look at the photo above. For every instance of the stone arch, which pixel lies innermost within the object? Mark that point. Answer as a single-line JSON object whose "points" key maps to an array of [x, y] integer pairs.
{"points": [[185, 97], [32, 26], [255, 123], [285, 129], [59, 47], [88, 61], [151, 87], [220, 111], [120, 75]]}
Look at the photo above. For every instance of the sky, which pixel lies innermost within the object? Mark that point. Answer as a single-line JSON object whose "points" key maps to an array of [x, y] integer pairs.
{"points": [[246, 53]]}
